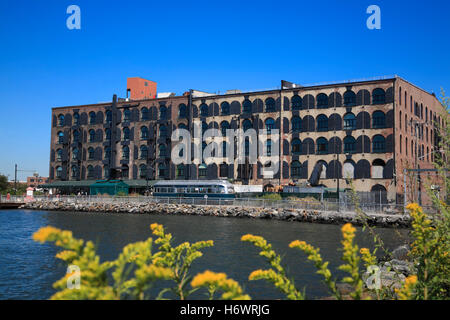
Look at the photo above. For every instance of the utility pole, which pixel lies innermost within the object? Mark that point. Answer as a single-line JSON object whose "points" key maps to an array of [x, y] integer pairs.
{"points": [[404, 186], [338, 195], [15, 175], [417, 148], [15, 178]]}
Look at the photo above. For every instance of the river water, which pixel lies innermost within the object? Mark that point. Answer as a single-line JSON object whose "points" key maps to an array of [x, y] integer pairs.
{"points": [[28, 269]]}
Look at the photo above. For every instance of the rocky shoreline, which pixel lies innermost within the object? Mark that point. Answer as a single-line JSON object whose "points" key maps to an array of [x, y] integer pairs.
{"points": [[301, 215]]}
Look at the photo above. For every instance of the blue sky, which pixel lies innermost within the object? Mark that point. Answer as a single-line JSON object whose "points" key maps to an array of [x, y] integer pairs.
{"points": [[205, 45]]}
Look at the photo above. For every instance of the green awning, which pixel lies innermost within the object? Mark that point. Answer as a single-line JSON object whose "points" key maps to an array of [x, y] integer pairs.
{"points": [[111, 187], [88, 183]]}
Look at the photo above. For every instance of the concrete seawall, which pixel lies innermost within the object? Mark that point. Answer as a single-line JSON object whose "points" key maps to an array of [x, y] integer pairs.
{"points": [[301, 215]]}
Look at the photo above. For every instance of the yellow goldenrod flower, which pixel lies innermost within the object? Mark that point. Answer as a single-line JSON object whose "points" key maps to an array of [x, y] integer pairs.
{"points": [[297, 244], [230, 288], [348, 228], [413, 207], [411, 280], [43, 233], [66, 255], [153, 272], [364, 251], [207, 277]]}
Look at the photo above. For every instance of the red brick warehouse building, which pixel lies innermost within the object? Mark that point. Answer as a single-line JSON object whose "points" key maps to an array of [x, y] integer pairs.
{"points": [[365, 130]]}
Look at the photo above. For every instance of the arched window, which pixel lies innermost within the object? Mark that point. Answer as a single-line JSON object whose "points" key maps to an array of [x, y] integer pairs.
{"points": [[322, 101], [92, 117], [348, 170], [144, 133], [163, 131], [161, 170], [270, 125], [323, 169], [106, 172], [223, 172], [125, 172], [349, 98], [60, 137], [59, 172], [225, 108], [75, 171], [76, 118], [75, 154], [270, 105], [90, 171], [61, 122], [322, 123], [59, 154], [126, 115], [91, 135], [145, 115], [247, 106], [204, 127], [162, 150], [224, 125], [247, 124], [204, 110], [76, 136], [378, 119], [91, 153], [202, 171], [163, 113], [322, 146], [296, 102], [349, 144], [182, 111], [224, 149], [108, 134], [378, 144], [144, 152], [269, 147], [296, 146], [378, 96], [296, 124], [406, 146], [180, 171], [349, 121], [296, 169], [378, 168], [108, 116], [126, 153], [126, 134], [107, 153], [142, 171]]}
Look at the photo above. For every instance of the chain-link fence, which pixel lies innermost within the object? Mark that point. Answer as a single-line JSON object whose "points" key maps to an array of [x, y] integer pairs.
{"points": [[370, 202]]}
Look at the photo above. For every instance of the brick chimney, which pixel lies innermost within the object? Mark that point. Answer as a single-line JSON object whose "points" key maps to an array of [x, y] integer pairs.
{"points": [[140, 88]]}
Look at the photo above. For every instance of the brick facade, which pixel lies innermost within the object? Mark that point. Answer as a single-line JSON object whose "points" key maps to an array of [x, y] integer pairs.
{"points": [[354, 129]]}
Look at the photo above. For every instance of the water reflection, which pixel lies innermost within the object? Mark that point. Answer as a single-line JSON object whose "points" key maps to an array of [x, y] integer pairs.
{"points": [[28, 269]]}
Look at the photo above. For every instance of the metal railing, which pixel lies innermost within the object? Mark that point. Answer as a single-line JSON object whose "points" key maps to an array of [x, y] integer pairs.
{"points": [[326, 205]]}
